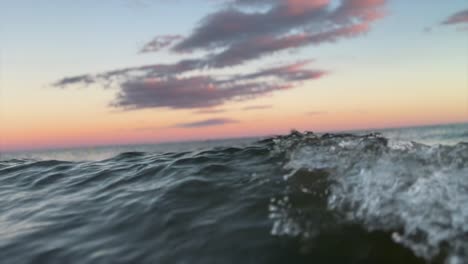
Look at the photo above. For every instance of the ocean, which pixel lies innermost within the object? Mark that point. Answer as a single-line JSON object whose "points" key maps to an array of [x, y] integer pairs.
{"points": [[388, 196]]}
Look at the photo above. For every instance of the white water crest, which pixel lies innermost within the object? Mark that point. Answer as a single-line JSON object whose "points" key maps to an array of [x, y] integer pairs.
{"points": [[417, 192]]}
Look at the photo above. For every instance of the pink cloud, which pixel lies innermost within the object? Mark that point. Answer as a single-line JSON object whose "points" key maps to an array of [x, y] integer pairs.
{"points": [[230, 26], [298, 7], [207, 91], [207, 122], [239, 32], [256, 107], [457, 18]]}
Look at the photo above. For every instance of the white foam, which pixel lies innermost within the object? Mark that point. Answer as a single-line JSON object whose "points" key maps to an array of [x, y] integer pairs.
{"points": [[400, 144], [418, 192]]}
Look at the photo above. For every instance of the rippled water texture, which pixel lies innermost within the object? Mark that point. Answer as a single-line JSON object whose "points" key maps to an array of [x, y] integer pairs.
{"points": [[300, 198]]}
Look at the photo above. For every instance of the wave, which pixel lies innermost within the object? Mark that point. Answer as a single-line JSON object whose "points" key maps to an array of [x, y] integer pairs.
{"points": [[301, 198], [418, 193]]}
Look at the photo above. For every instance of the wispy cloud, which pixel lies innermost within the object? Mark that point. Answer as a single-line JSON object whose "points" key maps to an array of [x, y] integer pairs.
{"points": [[207, 122], [240, 31], [202, 91], [257, 107], [210, 111], [232, 27], [457, 18], [160, 42]]}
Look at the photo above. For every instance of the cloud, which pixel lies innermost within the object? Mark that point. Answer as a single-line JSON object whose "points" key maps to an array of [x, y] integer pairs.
{"points": [[83, 79], [231, 25], [226, 27], [207, 122], [239, 32], [210, 111], [256, 107], [160, 42], [292, 72], [208, 91], [180, 93], [457, 18], [266, 45], [286, 24], [427, 29], [123, 75]]}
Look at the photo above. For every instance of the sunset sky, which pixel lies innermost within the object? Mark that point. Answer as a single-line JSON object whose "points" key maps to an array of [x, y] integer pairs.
{"points": [[83, 73]]}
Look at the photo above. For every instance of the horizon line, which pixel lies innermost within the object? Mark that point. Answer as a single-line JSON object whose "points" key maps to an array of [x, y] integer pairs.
{"points": [[127, 144]]}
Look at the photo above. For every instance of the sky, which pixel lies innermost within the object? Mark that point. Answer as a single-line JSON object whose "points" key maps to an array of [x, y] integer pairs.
{"points": [[84, 73]]}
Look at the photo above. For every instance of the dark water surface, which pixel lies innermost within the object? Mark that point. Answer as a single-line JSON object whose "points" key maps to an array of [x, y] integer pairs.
{"points": [[396, 197]]}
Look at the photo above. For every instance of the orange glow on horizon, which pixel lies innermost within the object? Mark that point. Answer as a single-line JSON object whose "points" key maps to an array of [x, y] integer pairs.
{"points": [[99, 132]]}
